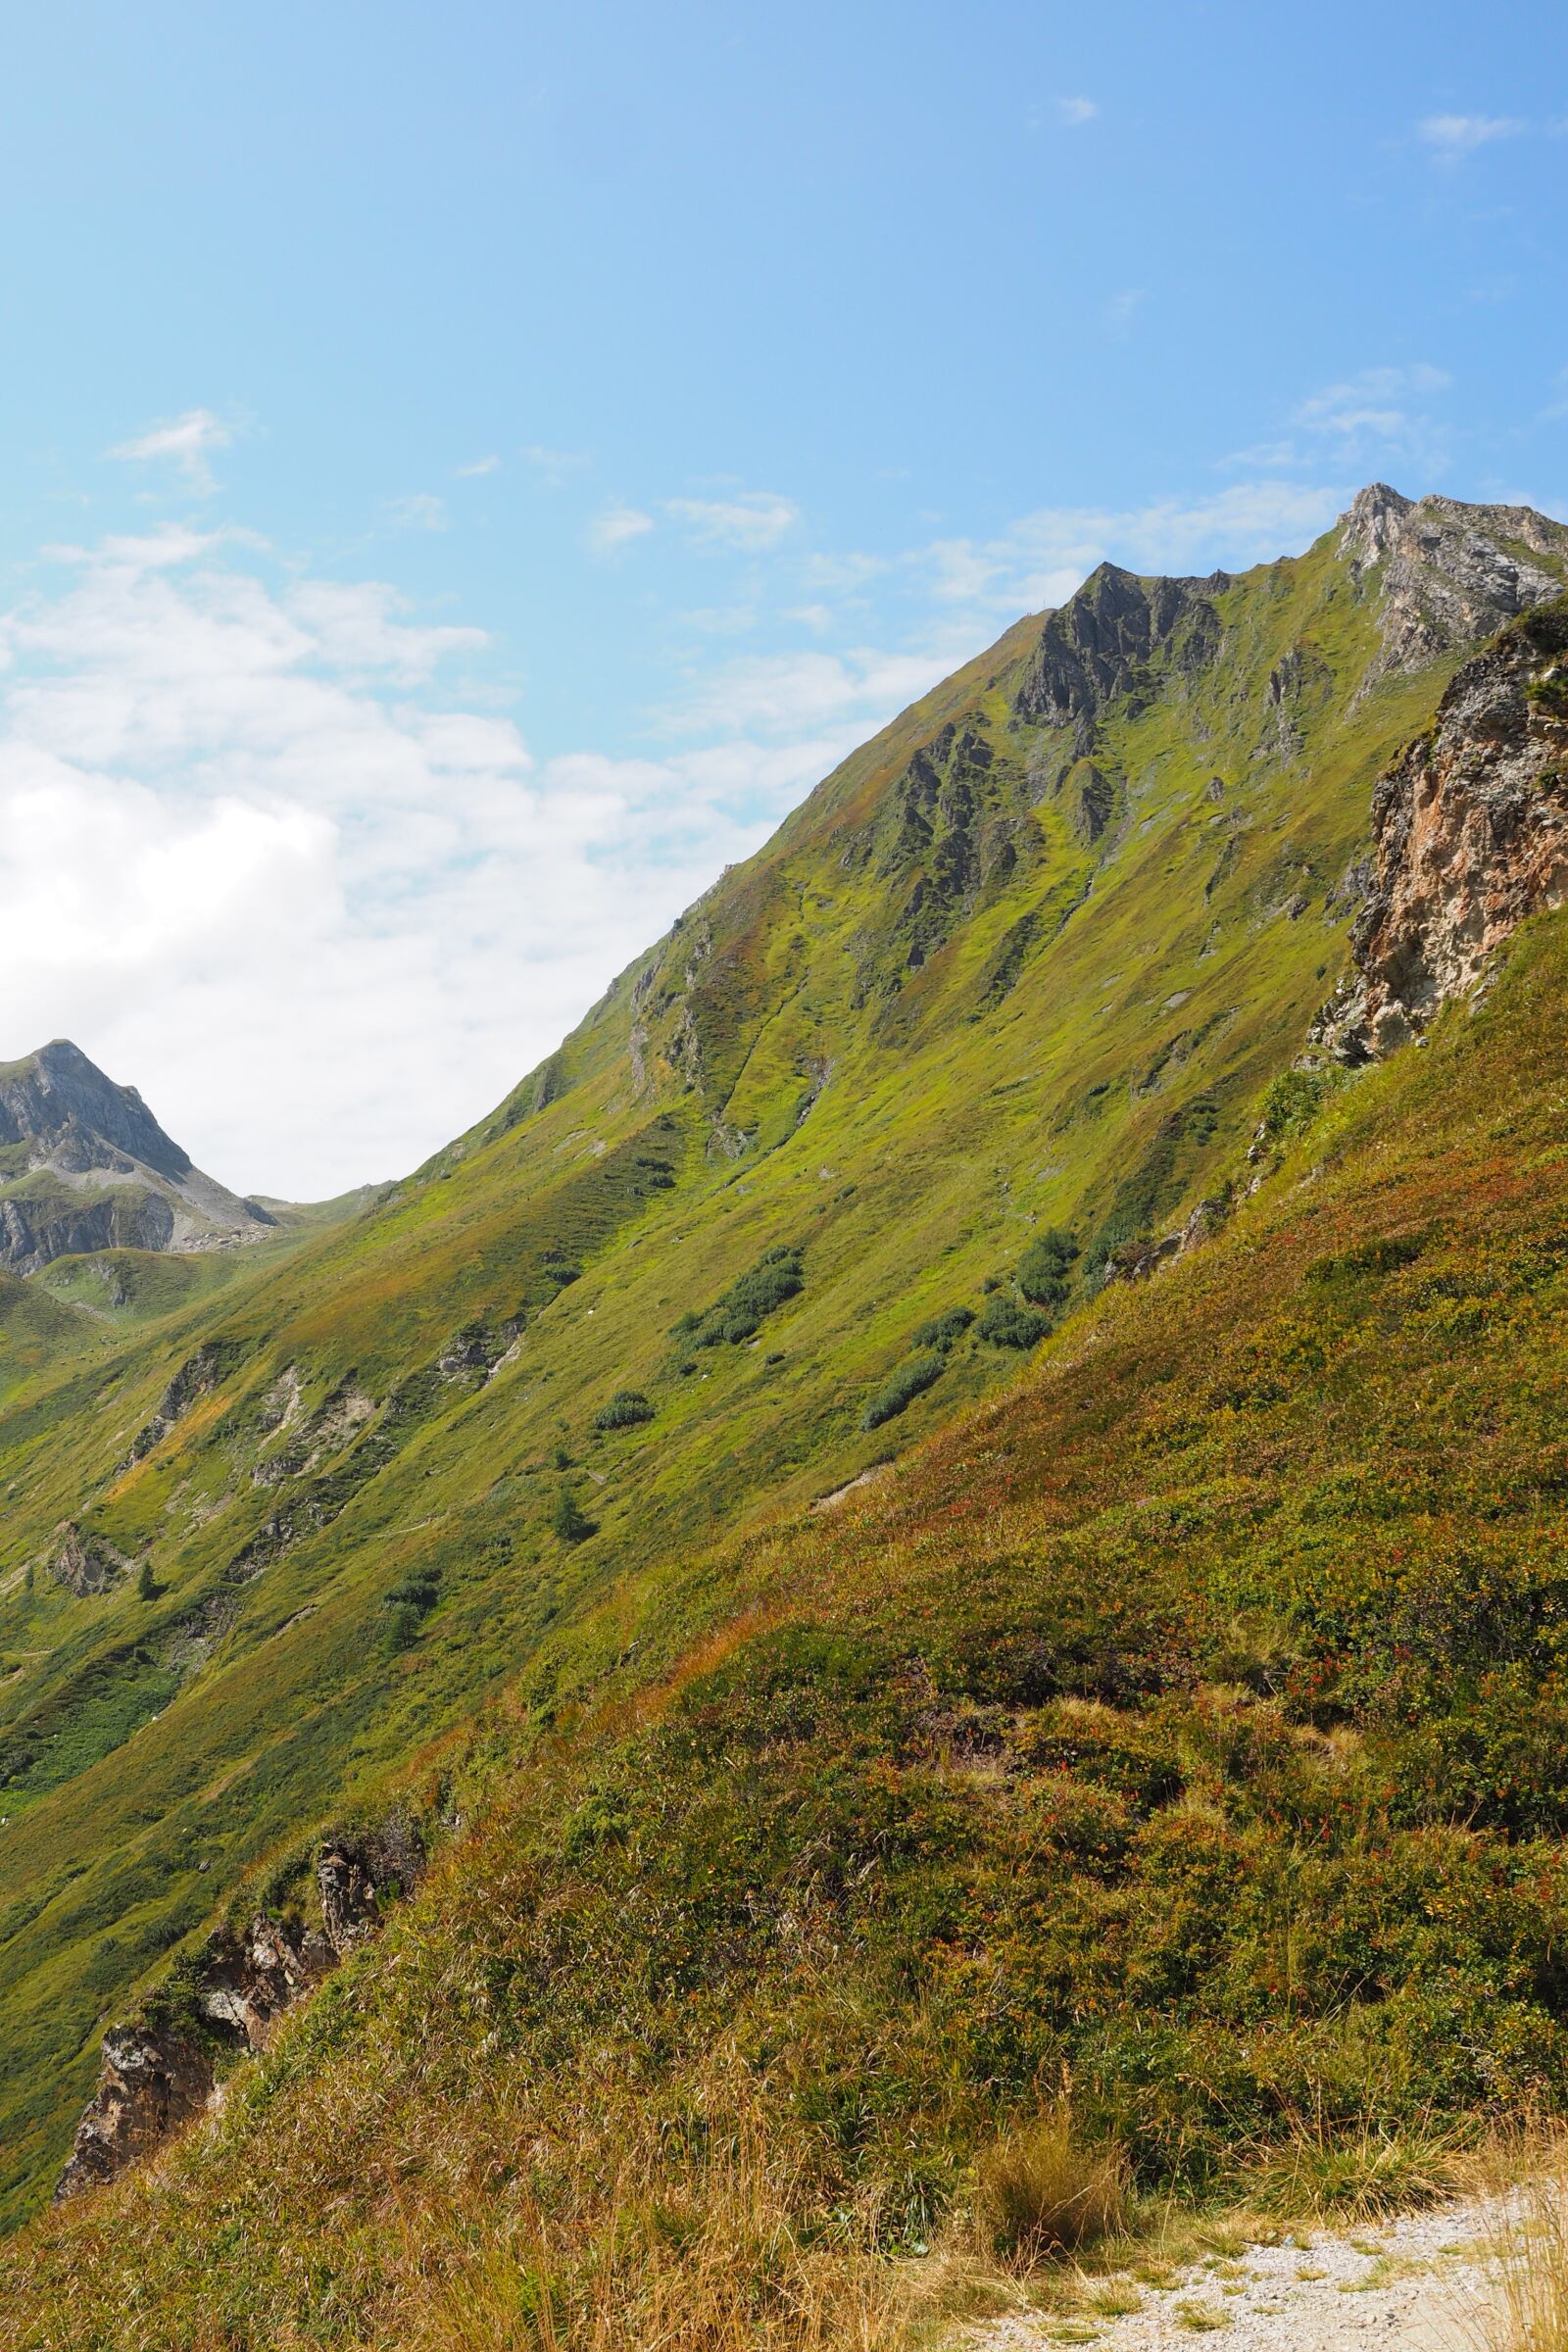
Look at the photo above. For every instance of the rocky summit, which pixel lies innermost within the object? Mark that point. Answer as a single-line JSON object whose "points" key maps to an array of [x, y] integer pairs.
{"points": [[85, 1166]]}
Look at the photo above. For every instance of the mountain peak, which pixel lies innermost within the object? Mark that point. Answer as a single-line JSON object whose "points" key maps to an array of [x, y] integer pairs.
{"points": [[84, 1165], [58, 1098], [1371, 522], [1447, 573]]}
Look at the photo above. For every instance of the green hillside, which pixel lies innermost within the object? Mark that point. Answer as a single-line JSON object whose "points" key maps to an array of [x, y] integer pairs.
{"points": [[1181, 1735], [1025, 966]]}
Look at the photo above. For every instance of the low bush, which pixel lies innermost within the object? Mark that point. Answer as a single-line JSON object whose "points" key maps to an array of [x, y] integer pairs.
{"points": [[1042, 2193], [1294, 1100], [943, 1330], [1008, 1323], [407, 1606], [909, 1380], [624, 1410], [569, 1520], [744, 1306], [1044, 1268]]}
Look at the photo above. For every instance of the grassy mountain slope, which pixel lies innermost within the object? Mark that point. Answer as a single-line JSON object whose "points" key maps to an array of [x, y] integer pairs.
{"points": [[1182, 1732], [1028, 960]]}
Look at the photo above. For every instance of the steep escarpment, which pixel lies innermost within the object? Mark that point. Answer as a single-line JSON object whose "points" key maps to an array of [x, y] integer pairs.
{"points": [[1446, 575], [1471, 832]]}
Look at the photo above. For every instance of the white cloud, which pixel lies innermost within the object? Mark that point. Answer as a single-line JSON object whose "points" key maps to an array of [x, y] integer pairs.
{"points": [[1121, 309], [1451, 136], [1382, 413], [843, 574], [751, 520], [783, 695], [419, 511], [555, 465], [187, 441], [615, 525], [1074, 111], [1038, 561], [480, 466], [302, 877]]}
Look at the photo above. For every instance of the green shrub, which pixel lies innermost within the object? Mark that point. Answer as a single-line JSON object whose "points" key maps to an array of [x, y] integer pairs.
{"points": [[909, 1381], [416, 1592], [1294, 1099], [624, 1410], [1007, 1323], [402, 1628], [1042, 2193], [1384, 1256], [1044, 1268], [748, 1302], [942, 1330], [569, 1520]]}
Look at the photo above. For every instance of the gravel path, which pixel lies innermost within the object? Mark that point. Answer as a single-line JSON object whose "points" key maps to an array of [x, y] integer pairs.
{"points": [[1416, 2284]]}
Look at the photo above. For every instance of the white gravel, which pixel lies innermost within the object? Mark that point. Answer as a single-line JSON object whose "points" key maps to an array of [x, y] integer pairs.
{"points": [[1415, 2283]]}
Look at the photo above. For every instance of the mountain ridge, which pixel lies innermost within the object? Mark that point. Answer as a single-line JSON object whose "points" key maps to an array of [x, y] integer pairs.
{"points": [[1007, 974]]}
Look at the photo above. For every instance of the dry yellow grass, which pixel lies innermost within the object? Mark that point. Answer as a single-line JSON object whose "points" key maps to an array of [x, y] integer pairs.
{"points": [[1525, 2306], [1042, 2193]]}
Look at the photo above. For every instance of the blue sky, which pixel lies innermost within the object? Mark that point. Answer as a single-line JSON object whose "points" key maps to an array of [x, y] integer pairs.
{"points": [[470, 470]]}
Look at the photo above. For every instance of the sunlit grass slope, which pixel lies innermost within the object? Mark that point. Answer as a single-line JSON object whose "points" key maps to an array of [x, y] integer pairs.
{"points": [[996, 976], [1180, 1737]]}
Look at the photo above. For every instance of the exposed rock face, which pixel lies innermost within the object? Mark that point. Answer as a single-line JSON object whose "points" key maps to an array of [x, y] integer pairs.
{"points": [[60, 1099], [1094, 647], [1446, 575], [1471, 825], [161, 2074], [86, 1564], [152, 2083], [197, 1377], [85, 1166]]}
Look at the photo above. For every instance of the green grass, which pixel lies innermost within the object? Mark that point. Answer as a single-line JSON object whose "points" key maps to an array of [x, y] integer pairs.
{"points": [[777, 1076], [883, 1831]]}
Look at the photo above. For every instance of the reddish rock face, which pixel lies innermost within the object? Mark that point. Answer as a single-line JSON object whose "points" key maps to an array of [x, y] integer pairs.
{"points": [[156, 2075], [1471, 823], [151, 2081]]}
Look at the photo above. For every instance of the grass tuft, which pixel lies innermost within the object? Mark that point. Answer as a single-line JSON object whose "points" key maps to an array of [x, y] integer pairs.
{"points": [[1042, 2192]]}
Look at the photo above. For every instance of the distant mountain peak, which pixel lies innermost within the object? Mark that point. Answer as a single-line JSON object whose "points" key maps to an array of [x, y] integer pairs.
{"points": [[85, 1166]]}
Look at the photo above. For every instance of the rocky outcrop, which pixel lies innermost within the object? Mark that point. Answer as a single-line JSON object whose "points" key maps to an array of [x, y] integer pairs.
{"points": [[151, 2082], [163, 2071], [59, 1101], [1471, 831], [86, 1564], [1101, 642], [1446, 575], [197, 1377], [85, 1166]]}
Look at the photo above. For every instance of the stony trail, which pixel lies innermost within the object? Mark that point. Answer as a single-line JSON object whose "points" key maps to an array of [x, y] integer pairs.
{"points": [[1417, 2283]]}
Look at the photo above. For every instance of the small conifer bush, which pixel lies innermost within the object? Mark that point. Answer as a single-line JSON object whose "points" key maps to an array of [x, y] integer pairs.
{"points": [[624, 1410], [1008, 1323], [569, 1520], [744, 1306], [910, 1380], [943, 1330], [1044, 1268]]}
